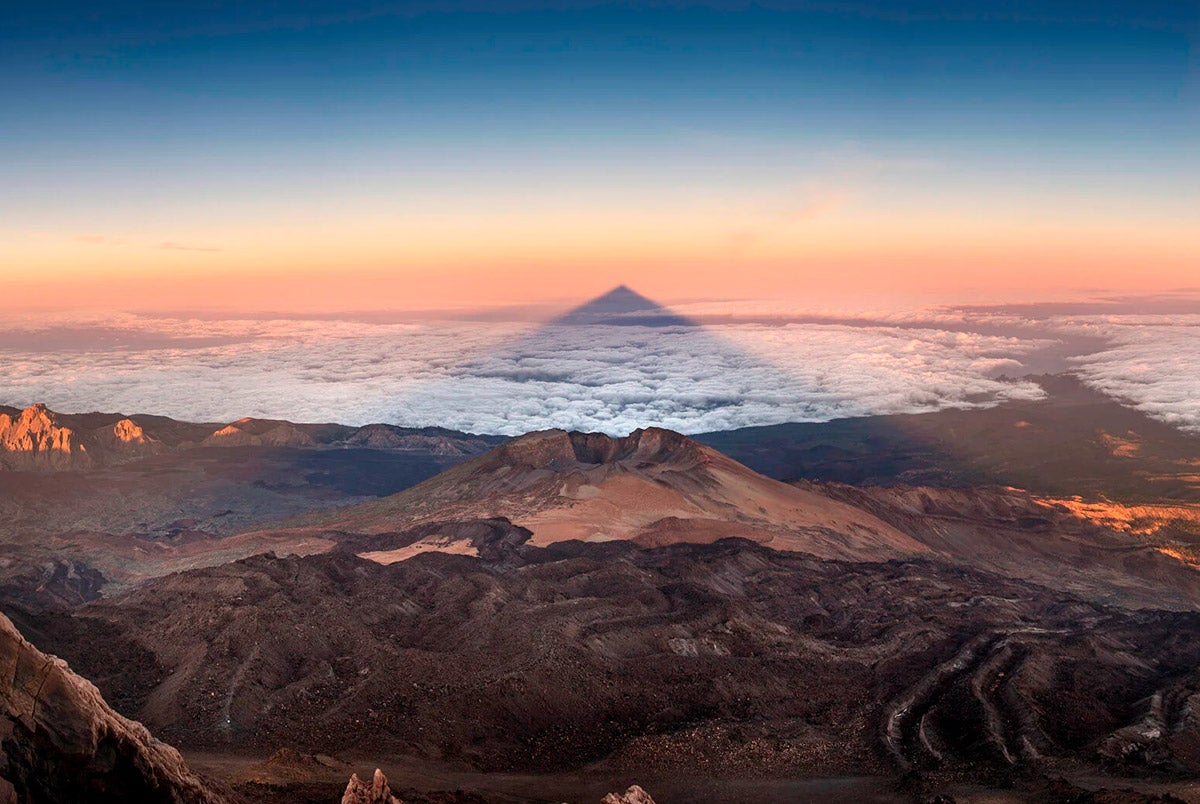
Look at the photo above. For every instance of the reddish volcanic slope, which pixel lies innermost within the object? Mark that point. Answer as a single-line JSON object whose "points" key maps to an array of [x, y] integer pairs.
{"points": [[653, 487]]}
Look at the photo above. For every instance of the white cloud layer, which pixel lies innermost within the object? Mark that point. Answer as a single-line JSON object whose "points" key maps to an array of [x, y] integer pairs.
{"points": [[507, 378], [1151, 363]]}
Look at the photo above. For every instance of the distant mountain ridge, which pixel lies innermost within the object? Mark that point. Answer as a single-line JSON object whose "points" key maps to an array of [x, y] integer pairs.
{"points": [[41, 440], [1075, 441], [1073, 491]]}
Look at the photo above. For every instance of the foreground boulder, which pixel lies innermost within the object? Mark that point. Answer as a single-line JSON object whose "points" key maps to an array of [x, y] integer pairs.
{"points": [[59, 740]]}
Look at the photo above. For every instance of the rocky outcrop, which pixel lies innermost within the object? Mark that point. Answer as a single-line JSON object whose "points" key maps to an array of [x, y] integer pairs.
{"points": [[377, 792], [634, 795], [232, 436], [59, 740], [34, 440], [262, 432], [1138, 555], [124, 440], [40, 440]]}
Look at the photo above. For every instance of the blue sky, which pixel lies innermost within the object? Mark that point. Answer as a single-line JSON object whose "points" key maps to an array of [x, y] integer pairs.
{"points": [[126, 120]]}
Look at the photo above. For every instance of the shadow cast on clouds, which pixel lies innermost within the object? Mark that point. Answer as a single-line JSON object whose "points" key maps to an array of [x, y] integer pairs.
{"points": [[612, 365]]}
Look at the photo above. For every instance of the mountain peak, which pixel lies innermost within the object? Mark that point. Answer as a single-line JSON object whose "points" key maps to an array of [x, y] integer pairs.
{"points": [[653, 487], [559, 449], [33, 439], [37, 415]]}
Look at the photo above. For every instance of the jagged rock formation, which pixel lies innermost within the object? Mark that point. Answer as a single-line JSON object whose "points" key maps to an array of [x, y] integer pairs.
{"points": [[377, 792], [634, 795], [33, 439], [38, 439], [126, 439], [59, 740], [653, 487]]}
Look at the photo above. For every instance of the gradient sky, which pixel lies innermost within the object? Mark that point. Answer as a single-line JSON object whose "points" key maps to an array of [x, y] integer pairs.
{"points": [[322, 154]]}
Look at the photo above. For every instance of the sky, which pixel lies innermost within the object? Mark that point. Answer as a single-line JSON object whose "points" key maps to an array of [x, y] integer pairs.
{"points": [[316, 156]]}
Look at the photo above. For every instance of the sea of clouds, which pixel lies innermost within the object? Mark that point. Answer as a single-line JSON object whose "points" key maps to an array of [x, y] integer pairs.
{"points": [[1151, 363], [511, 377]]}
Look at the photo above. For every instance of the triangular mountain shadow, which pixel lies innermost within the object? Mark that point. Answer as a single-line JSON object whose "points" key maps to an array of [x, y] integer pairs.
{"points": [[619, 362], [623, 306]]}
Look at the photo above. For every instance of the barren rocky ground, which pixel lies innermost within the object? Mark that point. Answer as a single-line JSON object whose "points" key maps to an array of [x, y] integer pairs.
{"points": [[570, 614], [726, 659]]}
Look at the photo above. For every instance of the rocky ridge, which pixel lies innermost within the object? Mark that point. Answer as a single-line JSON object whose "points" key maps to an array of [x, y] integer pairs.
{"points": [[1140, 556], [33, 439], [38, 439], [60, 741]]}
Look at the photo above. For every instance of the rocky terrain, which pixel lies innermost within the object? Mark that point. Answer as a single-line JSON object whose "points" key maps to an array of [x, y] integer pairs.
{"points": [[1075, 441], [1133, 556], [656, 487], [653, 487], [726, 658], [39, 439], [162, 495], [634, 795], [91, 503], [554, 616], [59, 740], [377, 792]]}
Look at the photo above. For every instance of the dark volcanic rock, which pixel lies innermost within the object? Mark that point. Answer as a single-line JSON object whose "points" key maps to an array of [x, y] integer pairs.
{"points": [[56, 583], [494, 539], [1061, 445], [727, 658], [59, 740]]}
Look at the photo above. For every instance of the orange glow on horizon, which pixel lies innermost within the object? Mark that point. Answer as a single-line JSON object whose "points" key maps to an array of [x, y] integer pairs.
{"points": [[444, 261]]}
